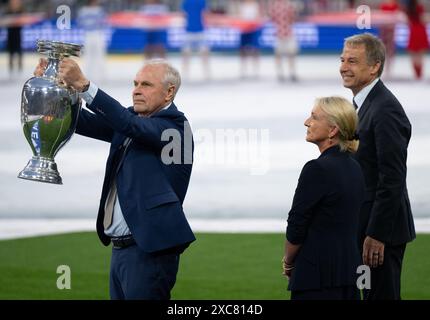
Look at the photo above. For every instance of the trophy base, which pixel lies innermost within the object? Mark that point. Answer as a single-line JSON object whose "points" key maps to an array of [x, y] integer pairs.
{"points": [[41, 170]]}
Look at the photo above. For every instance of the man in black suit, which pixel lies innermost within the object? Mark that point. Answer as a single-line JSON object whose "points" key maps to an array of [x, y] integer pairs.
{"points": [[386, 222]]}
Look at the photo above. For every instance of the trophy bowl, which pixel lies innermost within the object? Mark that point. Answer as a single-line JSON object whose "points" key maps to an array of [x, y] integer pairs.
{"points": [[49, 113]]}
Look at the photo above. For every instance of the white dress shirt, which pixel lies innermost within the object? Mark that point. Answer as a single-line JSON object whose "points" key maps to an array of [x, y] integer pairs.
{"points": [[362, 95]]}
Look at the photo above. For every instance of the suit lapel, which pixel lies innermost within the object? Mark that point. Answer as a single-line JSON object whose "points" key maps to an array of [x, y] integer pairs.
{"points": [[368, 101], [364, 108], [123, 152], [120, 153], [171, 111], [116, 158]]}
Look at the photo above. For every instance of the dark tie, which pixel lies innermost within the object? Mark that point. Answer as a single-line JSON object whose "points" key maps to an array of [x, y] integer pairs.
{"points": [[355, 105], [111, 197]]}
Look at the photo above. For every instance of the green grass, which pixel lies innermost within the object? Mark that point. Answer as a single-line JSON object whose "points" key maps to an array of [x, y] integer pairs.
{"points": [[217, 266]]}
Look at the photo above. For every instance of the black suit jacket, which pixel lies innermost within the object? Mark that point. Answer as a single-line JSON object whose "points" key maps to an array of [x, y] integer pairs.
{"points": [[324, 220], [150, 192], [384, 132]]}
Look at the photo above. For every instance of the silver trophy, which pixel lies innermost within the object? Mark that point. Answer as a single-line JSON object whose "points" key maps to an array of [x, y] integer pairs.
{"points": [[49, 113]]}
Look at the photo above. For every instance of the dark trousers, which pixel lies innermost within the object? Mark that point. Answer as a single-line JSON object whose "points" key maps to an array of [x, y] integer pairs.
{"points": [[135, 274], [385, 279], [339, 293]]}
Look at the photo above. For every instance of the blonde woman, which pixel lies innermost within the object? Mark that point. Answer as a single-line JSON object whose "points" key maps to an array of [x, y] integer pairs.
{"points": [[321, 248]]}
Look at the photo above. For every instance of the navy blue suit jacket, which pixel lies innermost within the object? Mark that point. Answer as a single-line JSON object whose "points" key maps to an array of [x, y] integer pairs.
{"points": [[150, 192], [324, 220], [384, 131]]}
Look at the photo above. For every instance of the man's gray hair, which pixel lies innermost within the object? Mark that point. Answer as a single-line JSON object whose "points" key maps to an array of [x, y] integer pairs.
{"points": [[375, 49], [171, 74]]}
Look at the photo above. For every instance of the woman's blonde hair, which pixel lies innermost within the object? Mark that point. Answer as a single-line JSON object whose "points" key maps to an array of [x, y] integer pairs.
{"points": [[341, 113]]}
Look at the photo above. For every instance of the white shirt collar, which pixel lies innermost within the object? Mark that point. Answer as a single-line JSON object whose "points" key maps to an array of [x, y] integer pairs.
{"points": [[164, 108], [362, 95], [168, 106]]}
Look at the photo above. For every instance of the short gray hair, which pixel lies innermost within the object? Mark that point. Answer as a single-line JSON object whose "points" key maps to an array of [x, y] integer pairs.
{"points": [[375, 49], [171, 74]]}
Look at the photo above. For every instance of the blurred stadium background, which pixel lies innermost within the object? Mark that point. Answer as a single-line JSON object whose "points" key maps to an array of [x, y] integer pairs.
{"points": [[320, 25]]}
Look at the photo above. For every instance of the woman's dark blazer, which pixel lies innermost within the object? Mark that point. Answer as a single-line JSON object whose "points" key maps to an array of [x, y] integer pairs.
{"points": [[324, 221]]}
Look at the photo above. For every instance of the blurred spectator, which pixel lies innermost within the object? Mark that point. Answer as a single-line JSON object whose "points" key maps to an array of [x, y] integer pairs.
{"points": [[319, 6], [249, 48], [195, 37], [418, 40], [14, 48], [156, 37], [386, 33], [283, 15], [219, 6], [92, 19]]}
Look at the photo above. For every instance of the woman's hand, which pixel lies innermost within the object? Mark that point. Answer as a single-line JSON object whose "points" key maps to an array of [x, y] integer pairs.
{"points": [[290, 253], [287, 268]]}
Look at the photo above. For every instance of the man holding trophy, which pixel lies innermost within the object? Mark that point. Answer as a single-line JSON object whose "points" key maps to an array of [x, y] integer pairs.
{"points": [[141, 203]]}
